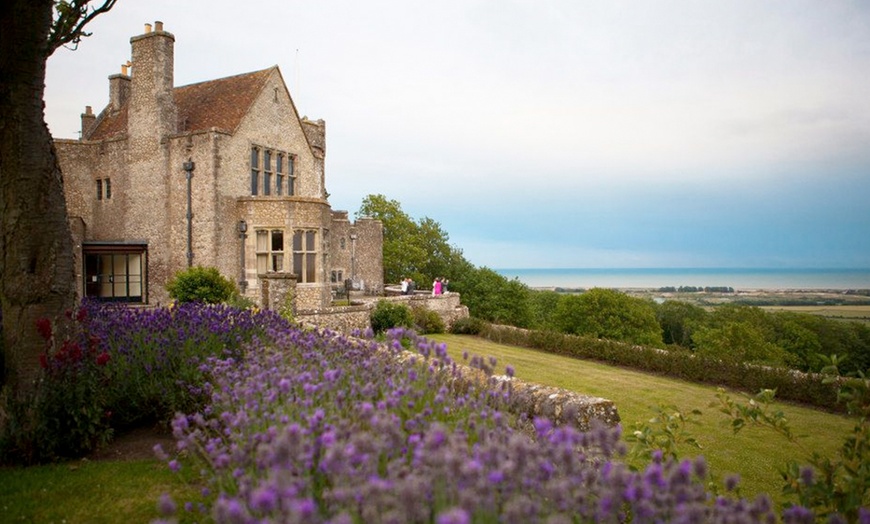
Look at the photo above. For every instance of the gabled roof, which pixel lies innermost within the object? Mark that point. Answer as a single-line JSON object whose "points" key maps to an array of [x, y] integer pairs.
{"points": [[220, 103]]}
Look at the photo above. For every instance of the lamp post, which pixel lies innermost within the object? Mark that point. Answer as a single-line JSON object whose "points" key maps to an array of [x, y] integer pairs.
{"points": [[243, 281], [188, 167]]}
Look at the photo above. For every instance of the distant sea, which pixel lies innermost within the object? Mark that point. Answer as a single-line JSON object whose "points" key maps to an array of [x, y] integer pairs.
{"points": [[737, 278]]}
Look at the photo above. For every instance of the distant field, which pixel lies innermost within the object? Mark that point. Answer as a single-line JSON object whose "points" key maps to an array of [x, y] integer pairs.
{"points": [[859, 313]]}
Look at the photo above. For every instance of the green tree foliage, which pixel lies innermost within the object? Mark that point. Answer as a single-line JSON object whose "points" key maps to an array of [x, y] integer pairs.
{"points": [[738, 342], [677, 320], [404, 254], [605, 313], [416, 249], [801, 341], [543, 303], [201, 284], [494, 298]]}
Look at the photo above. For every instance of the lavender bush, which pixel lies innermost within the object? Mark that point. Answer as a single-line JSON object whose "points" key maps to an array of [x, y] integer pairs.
{"points": [[318, 427], [109, 367]]}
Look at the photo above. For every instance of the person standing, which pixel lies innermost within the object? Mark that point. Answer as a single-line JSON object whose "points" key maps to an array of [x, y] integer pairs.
{"points": [[404, 286], [436, 287]]}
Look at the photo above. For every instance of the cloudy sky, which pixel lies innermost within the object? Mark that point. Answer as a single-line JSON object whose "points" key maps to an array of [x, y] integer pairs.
{"points": [[559, 133]]}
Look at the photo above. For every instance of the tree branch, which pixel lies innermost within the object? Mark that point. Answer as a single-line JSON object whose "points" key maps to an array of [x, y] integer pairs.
{"points": [[70, 19]]}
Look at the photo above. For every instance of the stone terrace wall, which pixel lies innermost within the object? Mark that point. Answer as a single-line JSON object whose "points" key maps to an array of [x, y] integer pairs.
{"points": [[562, 406], [448, 306], [344, 319]]}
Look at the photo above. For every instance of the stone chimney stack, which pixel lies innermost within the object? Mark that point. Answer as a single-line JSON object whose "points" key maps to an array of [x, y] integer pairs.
{"points": [[88, 120], [119, 88], [152, 111]]}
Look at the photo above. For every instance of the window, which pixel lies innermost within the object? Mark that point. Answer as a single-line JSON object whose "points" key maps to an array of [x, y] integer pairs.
{"points": [[337, 276], [305, 255], [279, 175], [262, 172], [255, 170], [267, 172], [99, 189], [115, 273], [108, 185], [341, 243], [291, 177], [270, 250]]}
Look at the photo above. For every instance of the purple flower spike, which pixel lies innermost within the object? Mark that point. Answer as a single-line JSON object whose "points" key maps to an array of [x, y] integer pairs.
{"points": [[166, 506], [453, 516]]}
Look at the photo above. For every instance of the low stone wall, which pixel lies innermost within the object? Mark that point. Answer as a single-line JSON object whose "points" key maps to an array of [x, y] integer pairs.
{"points": [[344, 319], [448, 307], [561, 406]]}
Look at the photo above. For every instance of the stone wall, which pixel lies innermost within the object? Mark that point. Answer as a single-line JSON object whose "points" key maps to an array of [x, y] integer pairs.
{"points": [[562, 406], [357, 316], [344, 319], [277, 291], [448, 307]]}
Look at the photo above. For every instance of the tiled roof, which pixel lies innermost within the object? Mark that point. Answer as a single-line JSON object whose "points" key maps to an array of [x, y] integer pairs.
{"points": [[220, 103], [110, 125]]}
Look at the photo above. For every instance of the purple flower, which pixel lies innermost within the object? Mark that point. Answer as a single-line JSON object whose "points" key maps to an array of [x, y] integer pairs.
{"points": [[495, 477], [453, 516], [264, 499], [166, 506]]}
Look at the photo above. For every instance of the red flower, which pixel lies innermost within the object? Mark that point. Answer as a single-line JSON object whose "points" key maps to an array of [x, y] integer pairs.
{"points": [[75, 352], [43, 327], [43, 361], [93, 342], [82, 315], [103, 358]]}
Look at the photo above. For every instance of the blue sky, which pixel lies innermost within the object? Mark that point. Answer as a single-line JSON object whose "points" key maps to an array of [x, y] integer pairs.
{"points": [[558, 133]]}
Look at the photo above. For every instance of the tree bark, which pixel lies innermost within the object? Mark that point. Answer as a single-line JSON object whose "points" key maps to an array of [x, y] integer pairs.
{"points": [[36, 252]]}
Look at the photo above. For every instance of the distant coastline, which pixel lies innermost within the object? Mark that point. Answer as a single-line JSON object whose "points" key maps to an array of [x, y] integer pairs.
{"points": [[654, 278]]}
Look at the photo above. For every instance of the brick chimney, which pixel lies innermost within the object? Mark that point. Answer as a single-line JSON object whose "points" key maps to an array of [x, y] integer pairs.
{"points": [[152, 112]]}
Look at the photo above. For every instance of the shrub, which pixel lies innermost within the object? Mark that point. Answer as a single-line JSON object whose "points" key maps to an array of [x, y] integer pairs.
{"points": [[388, 315], [790, 385], [112, 368], [201, 284], [67, 414], [467, 326], [427, 321]]}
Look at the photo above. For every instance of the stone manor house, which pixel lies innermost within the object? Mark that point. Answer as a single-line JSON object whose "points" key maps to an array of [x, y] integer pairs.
{"points": [[222, 173]]}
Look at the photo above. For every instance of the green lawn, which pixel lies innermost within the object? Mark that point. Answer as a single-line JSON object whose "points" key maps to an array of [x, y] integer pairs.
{"points": [[88, 492], [754, 453]]}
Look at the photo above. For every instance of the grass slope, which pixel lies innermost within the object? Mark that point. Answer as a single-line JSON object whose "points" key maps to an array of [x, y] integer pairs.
{"points": [[755, 454], [88, 492]]}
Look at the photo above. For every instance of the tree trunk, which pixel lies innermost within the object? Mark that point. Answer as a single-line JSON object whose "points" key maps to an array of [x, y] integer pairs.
{"points": [[36, 254]]}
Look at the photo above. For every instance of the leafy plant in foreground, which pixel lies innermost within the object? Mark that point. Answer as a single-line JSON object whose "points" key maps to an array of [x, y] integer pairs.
{"points": [[834, 489], [68, 413]]}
